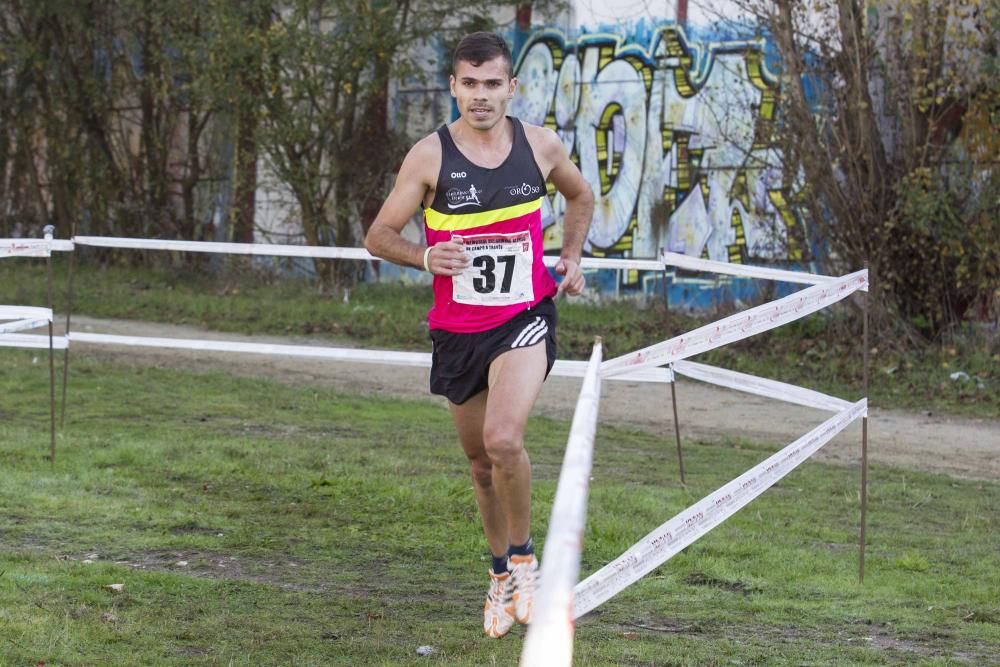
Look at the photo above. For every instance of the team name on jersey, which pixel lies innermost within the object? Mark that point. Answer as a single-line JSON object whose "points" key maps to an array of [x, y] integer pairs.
{"points": [[458, 197]]}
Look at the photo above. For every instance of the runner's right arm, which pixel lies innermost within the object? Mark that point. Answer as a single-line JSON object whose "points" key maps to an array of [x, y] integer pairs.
{"points": [[417, 176]]}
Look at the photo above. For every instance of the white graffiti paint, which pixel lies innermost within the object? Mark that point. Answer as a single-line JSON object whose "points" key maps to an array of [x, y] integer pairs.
{"points": [[668, 147]]}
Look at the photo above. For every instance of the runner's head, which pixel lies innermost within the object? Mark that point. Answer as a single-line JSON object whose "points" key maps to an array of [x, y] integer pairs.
{"points": [[482, 83], [478, 47]]}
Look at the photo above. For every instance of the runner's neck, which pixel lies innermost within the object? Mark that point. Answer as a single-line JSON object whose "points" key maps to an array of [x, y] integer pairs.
{"points": [[484, 148]]}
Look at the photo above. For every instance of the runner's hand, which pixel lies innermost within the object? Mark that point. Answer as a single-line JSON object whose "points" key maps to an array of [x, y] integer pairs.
{"points": [[448, 258], [573, 281]]}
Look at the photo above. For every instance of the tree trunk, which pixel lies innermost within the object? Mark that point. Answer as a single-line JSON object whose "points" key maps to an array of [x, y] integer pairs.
{"points": [[344, 274], [247, 123]]}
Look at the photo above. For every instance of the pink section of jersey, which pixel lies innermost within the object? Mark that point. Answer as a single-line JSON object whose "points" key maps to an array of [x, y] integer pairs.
{"points": [[455, 317]]}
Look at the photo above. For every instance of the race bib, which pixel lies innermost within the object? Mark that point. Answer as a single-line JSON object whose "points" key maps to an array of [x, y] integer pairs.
{"points": [[499, 273]]}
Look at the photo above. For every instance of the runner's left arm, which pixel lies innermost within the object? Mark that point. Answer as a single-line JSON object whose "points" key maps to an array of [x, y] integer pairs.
{"points": [[579, 211]]}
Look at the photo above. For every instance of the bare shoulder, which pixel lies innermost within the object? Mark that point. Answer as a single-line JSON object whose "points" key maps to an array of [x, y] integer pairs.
{"points": [[542, 139], [424, 159], [546, 145]]}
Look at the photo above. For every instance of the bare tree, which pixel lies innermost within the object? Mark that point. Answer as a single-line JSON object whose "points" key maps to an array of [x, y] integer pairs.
{"points": [[887, 113]]}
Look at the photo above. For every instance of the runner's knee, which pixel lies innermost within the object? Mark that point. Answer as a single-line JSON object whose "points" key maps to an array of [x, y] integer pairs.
{"points": [[482, 471], [504, 445]]}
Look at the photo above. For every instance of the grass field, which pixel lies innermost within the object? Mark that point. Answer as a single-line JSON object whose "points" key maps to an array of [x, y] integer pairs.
{"points": [[255, 523]]}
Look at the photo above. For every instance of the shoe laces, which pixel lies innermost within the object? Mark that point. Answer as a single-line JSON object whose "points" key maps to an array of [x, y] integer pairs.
{"points": [[500, 591]]}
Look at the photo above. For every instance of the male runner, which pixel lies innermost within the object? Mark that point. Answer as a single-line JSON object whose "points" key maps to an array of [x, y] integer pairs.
{"points": [[480, 181]]}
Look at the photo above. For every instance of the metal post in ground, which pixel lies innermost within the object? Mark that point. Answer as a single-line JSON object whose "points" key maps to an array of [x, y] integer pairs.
{"points": [[52, 364], [677, 426], [666, 302], [69, 310], [864, 444]]}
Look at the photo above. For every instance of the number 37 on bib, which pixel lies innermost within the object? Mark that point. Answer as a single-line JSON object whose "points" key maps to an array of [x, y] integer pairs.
{"points": [[499, 273]]}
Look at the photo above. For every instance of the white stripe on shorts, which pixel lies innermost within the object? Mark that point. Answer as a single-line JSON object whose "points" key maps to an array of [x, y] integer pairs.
{"points": [[537, 336], [531, 333]]}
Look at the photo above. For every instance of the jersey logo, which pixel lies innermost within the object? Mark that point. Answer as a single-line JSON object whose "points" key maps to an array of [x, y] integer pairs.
{"points": [[457, 198], [523, 190]]}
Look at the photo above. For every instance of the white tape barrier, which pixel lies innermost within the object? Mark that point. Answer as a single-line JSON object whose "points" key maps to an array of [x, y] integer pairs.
{"points": [[224, 248], [33, 341], [603, 263], [549, 642], [666, 541], [578, 369], [562, 368], [22, 312], [25, 248], [276, 250], [42, 248], [739, 326], [22, 325], [32, 247], [23, 318], [759, 386], [742, 270], [391, 357]]}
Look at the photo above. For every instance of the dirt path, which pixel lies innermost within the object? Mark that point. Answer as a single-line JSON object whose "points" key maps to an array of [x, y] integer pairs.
{"points": [[961, 447]]}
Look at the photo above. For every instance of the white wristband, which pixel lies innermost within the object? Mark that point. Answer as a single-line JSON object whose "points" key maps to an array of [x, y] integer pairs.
{"points": [[427, 252]]}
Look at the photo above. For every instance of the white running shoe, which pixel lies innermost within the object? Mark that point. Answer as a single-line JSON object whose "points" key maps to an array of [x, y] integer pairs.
{"points": [[498, 613], [524, 578]]}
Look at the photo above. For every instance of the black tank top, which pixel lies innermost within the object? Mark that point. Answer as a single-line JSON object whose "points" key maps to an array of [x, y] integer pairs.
{"points": [[516, 180]]}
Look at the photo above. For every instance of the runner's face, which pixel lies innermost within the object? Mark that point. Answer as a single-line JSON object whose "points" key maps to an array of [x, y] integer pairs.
{"points": [[483, 92]]}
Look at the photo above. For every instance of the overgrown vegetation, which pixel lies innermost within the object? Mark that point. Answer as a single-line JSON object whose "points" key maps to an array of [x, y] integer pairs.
{"points": [[255, 523], [888, 111], [145, 119], [823, 352]]}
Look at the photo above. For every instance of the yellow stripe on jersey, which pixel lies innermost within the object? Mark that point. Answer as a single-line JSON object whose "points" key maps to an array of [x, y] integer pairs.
{"points": [[444, 222]]}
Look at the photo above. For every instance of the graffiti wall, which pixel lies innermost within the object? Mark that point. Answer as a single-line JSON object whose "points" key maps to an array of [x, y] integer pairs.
{"points": [[673, 135]]}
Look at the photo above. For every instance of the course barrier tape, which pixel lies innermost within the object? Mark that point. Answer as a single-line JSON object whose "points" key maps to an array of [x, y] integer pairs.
{"points": [[739, 326], [32, 247], [24, 248], [42, 248], [325, 252], [743, 270], [578, 369], [22, 318], [549, 641], [562, 367], [392, 357], [33, 341], [19, 312], [753, 384], [22, 325], [609, 263], [666, 541], [277, 250]]}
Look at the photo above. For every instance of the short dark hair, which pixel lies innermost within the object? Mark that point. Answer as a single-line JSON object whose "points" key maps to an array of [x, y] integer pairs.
{"points": [[478, 47]]}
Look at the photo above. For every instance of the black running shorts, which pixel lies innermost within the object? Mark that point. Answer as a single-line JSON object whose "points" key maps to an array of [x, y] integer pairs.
{"points": [[460, 363]]}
